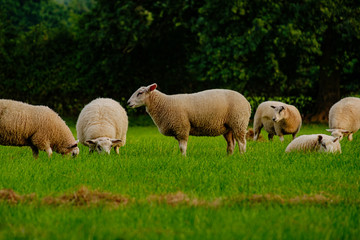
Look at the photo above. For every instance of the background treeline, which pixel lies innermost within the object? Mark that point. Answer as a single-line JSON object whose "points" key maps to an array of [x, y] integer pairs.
{"points": [[65, 53]]}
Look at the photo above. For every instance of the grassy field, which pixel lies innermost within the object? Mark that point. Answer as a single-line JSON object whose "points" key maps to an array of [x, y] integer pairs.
{"points": [[151, 192]]}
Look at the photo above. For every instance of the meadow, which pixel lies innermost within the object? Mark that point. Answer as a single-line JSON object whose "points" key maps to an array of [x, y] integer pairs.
{"points": [[150, 191]]}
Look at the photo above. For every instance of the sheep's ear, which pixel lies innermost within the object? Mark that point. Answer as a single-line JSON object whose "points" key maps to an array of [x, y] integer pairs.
{"points": [[90, 142], [152, 87], [330, 130], [73, 146], [344, 131], [320, 138], [115, 141], [282, 108]]}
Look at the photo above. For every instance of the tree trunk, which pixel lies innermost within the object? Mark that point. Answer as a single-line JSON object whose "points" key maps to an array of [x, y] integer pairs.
{"points": [[329, 78]]}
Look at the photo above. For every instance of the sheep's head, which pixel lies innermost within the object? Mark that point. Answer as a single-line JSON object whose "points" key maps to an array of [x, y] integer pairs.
{"points": [[338, 133], [279, 113], [328, 144], [102, 144], [139, 97], [72, 149]]}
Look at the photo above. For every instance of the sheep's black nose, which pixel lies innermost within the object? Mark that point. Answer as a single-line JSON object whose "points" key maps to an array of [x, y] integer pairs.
{"points": [[130, 104], [274, 119]]}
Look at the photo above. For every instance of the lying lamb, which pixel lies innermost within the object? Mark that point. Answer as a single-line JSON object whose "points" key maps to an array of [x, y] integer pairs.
{"points": [[344, 118], [315, 143], [207, 113], [277, 118], [102, 124], [38, 127]]}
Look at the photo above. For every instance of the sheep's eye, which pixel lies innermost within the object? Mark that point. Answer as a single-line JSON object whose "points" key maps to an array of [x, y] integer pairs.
{"points": [[324, 145], [139, 93], [99, 148]]}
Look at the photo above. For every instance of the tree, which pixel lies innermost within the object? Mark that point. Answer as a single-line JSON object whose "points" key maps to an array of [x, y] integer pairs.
{"points": [[339, 47], [64, 55], [274, 48]]}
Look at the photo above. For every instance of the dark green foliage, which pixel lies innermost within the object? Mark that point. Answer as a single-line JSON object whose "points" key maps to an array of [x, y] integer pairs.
{"points": [[64, 53]]}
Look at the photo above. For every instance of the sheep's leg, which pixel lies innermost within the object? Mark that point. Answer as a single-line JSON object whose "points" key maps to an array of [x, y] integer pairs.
{"points": [[182, 144], [350, 137], [294, 135], [279, 132], [241, 140], [257, 130], [116, 148], [48, 151], [270, 136], [230, 142], [35, 151]]}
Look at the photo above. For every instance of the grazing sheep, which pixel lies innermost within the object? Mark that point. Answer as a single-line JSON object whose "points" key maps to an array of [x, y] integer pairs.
{"points": [[207, 113], [277, 118], [344, 118], [38, 127], [102, 124], [315, 143]]}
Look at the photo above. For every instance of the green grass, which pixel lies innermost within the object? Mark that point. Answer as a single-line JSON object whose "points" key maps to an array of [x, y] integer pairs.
{"points": [[262, 194]]}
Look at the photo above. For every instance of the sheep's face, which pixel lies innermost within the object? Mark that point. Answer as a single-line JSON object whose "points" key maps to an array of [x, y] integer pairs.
{"points": [[102, 144], [279, 113], [72, 149], [75, 151], [338, 133], [328, 145], [139, 97]]}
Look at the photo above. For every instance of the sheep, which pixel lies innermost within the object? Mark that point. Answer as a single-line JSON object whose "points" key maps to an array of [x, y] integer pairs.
{"points": [[315, 143], [277, 118], [101, 125], [38, 127], [208, 113], [344, 118]]}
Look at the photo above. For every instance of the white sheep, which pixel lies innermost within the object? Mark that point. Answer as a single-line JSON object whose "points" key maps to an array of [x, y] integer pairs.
{"points": [[277, 118], [207, 113], [314, 143], [38, 127], [344, 118], [102, 124]]}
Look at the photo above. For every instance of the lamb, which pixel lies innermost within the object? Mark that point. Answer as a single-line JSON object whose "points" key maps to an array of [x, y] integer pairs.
{"points": [[102, 124], [208, 113], [315, 143], [38, 127], [344, 118], [277, 118]]}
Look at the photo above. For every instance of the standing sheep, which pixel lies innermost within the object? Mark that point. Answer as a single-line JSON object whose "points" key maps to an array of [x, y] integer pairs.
{"points": [[102, 124], [315, 143], [344, 118], [277, 118], [207, 113], [38, 127]]}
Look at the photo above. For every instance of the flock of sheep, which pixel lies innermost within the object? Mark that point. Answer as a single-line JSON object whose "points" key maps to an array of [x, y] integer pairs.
{"points": [[103, 123]]}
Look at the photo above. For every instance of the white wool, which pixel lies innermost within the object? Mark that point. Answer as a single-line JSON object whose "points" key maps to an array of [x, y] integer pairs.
{"points": [[207, 113], [38, 127], [102, 124], [277, 118], [315, 143], [344, 117]]}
